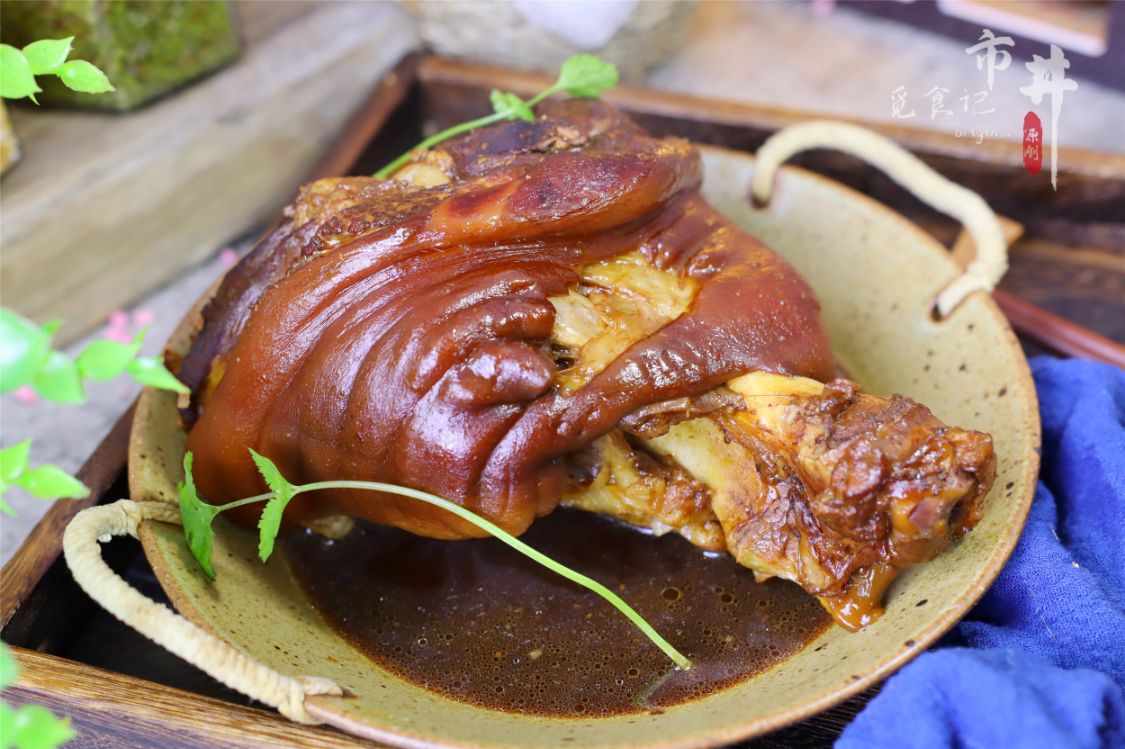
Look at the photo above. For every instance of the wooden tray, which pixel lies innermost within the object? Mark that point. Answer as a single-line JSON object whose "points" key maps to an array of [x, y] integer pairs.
{"points": [[120, 690]]}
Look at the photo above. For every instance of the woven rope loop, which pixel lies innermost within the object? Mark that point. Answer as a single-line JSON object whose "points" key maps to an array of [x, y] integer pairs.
{"points": [[991, 261], [164, 626]]}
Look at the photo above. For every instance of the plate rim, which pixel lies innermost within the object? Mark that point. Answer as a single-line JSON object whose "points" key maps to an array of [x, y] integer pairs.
{"points": [[321, 707]]}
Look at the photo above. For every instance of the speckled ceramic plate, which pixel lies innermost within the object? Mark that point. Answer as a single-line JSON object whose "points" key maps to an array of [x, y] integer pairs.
{"points": [[876, 275]]}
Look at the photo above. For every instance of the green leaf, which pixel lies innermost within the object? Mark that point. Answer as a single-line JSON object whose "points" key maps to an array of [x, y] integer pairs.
{"points": [[4, 506], [581, 75], [105, 359], [13, 461], [84, 77], [586, 76], [269, 524], [7, 726], [36, 727], [16, 79], [502, 535], [9, 670], [46, 55], [151, 372], [197, 517], [58, 380], [23, 348], [510, 106], [49, 481]]}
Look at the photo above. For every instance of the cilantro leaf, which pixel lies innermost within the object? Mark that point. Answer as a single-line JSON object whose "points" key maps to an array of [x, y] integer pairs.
{"points": [[7, 725], [46, 55], [23, 348], [586, 76], [198, 525], [197, 517], [84, 77], [510, 106], [26, 358], [13, 461], [16, 79], [9, 670], [50, 482], [45, 481], [13, 464], [270, 522], [36, 727], [104, 359], [581, 75], [151, 372], [59, 379]]}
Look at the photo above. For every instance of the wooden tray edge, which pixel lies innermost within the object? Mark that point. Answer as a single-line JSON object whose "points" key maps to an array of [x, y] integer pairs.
{"points": [[1086, 162], [152, 714]]}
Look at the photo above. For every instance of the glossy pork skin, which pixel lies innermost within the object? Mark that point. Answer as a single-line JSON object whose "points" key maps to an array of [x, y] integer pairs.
{"points": [[400, 333]]}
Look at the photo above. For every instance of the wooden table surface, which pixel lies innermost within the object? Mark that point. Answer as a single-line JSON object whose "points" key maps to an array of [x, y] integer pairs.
{"points": [[149, 194]]}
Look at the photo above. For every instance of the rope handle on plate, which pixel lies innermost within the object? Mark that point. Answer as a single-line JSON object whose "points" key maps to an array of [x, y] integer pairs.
{"points": [[164, 626], [991, 261]]}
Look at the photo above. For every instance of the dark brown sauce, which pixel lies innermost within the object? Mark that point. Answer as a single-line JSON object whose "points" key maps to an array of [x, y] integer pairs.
{"points": [[479, 622]]}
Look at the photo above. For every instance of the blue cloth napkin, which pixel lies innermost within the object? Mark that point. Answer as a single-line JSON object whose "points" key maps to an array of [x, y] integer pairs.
{"points": [[1040, 661]]}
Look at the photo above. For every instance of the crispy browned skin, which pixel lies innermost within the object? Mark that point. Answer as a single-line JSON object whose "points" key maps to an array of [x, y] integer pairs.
{"points": [[820, 484], [410, 342], [540, 306]]}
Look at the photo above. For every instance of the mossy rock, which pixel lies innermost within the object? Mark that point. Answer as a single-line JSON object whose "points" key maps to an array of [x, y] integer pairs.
{"points": [[145, 48]]}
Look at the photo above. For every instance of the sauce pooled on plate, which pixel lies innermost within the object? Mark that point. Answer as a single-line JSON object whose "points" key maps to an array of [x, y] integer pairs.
{"points": [[479, 622]]}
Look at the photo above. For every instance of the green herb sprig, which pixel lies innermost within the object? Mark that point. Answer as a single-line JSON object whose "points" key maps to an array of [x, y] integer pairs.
{"points": [[197, 517], [583, 76], [45, 481], [27, 359], [28, 726], [18, 69]]}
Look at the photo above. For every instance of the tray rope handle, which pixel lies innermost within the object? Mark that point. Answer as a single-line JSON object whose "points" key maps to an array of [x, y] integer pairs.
{"points": [[991, 260], [164, 626]]}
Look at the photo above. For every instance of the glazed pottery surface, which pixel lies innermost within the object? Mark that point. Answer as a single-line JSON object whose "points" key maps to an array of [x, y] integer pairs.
{"points": [[876, 276]]}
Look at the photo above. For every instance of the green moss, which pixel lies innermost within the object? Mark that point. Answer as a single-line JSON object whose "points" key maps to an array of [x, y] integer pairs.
{"points": [[146, 48]]}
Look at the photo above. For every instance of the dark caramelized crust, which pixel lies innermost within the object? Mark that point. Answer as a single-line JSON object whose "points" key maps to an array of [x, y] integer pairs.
{"points": [[402, 333], [870, 486], [820, 484], [548, 311]]}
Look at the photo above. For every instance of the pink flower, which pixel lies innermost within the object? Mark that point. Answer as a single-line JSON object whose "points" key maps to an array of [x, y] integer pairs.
{"points": [[123, 326], [118, 328], [143, 316], [26, 395], [228, 257]]}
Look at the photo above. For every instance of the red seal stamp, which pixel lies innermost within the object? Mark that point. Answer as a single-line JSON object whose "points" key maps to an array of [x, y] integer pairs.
{"points": [[1032, 143]]}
